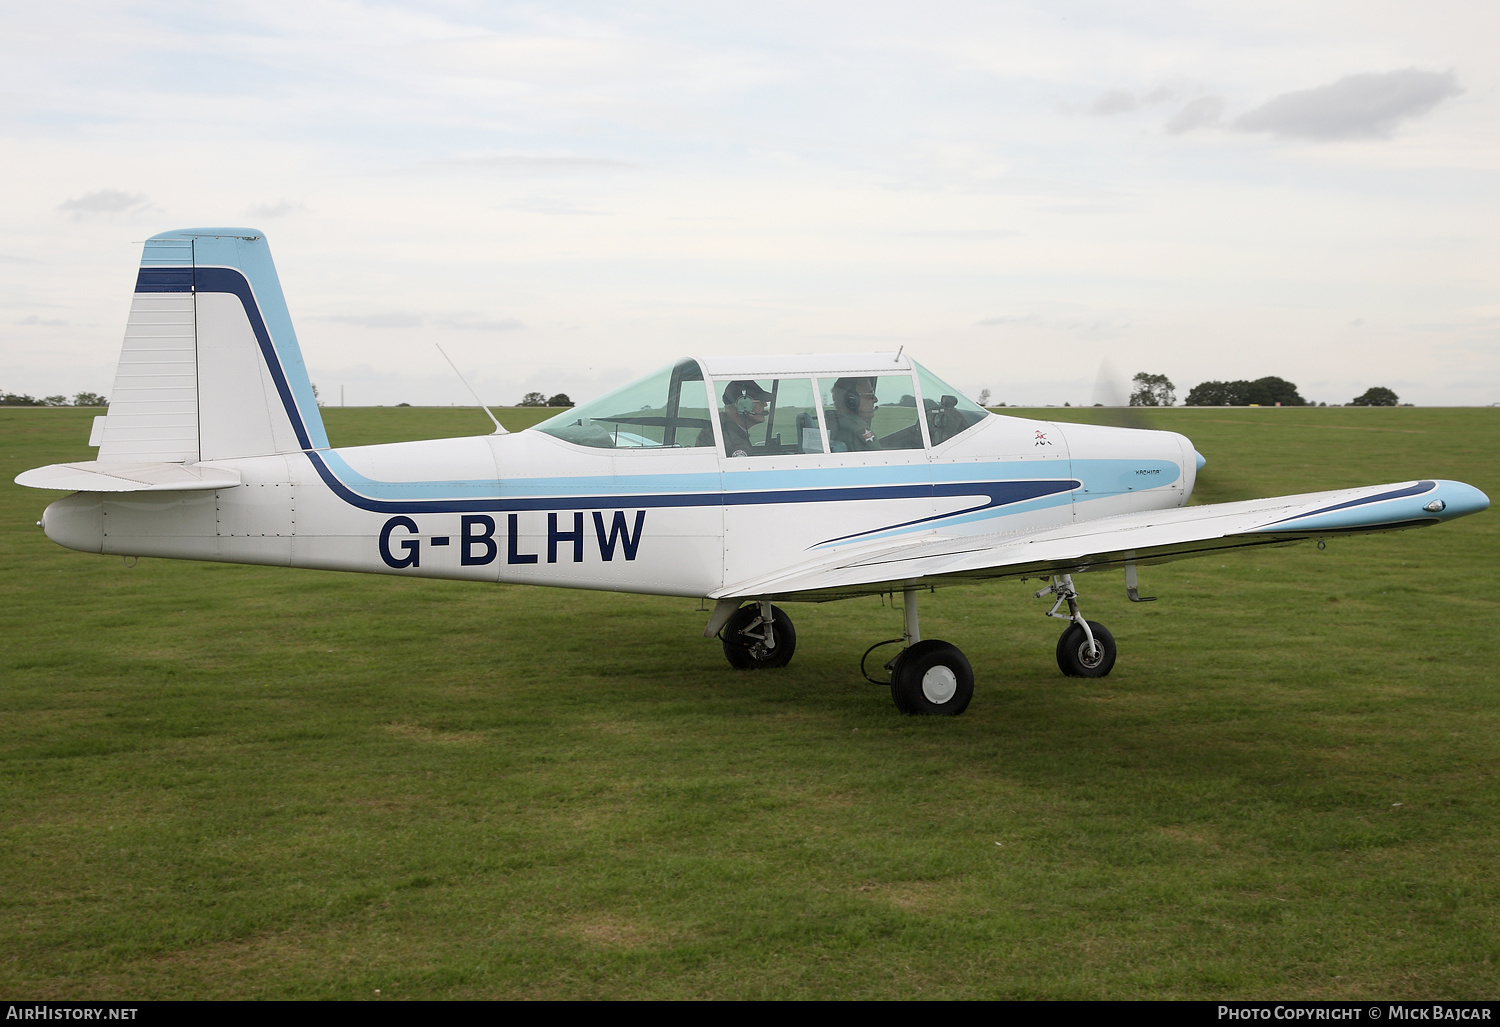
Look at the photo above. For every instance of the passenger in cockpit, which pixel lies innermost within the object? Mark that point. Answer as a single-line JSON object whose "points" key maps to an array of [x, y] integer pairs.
{"points": [[744, 408], [854, 403]]}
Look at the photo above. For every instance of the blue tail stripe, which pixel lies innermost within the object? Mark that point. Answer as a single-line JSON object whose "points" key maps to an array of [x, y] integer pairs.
{"points": [[234, 282]]}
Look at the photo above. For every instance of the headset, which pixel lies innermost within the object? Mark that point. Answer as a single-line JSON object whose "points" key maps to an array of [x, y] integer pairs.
{"points": [[737, 395], [849, 389]]}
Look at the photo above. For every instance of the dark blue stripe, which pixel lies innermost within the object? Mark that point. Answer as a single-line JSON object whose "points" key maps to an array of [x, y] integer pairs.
{"points": [[224, 279], [1411, 490], [164, 279], [999, 493]]}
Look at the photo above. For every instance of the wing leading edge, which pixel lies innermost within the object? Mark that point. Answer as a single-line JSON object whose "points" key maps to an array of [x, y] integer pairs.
{"points": [[1153, 537]]}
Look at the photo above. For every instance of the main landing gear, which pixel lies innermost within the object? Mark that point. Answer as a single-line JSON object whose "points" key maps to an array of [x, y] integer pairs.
{"points": [[928, 677], [1086, 649], [758, 636]]}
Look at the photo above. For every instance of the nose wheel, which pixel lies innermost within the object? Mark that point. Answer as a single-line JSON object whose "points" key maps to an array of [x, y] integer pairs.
{"points": [[1086, 649], [1082, 656]]}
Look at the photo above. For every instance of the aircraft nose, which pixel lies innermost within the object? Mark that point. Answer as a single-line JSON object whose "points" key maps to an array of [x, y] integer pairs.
{"points": [[1200, 458]]}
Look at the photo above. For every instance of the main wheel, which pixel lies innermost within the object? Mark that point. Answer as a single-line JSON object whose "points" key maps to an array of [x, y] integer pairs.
{"points": [[932, 678], [1074, 658], [745, 652]]}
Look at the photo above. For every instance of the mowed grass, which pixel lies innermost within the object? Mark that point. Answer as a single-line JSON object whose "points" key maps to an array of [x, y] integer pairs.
{"points": [[221, 781]]}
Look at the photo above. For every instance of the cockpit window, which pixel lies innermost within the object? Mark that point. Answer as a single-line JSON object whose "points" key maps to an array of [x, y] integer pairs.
{"points": [[870, 412], [668, 409], [768, 417], [948, 413]]}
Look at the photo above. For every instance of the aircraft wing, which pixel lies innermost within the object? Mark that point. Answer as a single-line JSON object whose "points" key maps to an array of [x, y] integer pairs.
{"points": [[1152, 537]]}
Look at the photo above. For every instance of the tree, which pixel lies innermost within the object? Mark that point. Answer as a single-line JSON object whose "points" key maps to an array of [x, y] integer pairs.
{"points": [[55, 401], [1218, 394], [90, 399], [559, 400], [1153, 390], [533, 399], [16, 399], [1379, 396], [984, 397], [1266, 392]]}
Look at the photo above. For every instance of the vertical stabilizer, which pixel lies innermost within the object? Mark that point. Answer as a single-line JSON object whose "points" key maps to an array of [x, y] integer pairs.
{"points": [[210, 368]]}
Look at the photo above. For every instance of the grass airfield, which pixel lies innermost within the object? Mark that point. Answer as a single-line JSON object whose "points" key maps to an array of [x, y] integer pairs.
{"points": [[239, 782]]}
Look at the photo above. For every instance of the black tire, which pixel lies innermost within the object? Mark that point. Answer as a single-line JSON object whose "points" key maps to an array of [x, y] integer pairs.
{"points": [[750, 653], [933, 679], [1073, 652]]}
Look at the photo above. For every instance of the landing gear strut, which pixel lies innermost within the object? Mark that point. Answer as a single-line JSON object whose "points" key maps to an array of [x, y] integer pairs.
{"points": [[758, 636], [1086, 649], [928, 677]]}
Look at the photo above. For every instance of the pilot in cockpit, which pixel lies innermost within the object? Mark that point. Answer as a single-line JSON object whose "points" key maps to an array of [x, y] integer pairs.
{"points": [[745, 405], [854, 403]]}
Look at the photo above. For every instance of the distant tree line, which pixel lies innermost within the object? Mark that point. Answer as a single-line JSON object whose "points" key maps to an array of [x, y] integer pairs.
{"points": [[83, 399], [1265, 392], [536, 399], [1156, 390]]}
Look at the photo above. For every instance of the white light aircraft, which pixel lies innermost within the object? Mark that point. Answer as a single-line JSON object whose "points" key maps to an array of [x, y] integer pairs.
{"points": [[743, 481]]}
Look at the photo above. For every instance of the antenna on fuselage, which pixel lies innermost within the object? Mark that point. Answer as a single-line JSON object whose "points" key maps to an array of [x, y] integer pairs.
{"points": [[499, 428]]}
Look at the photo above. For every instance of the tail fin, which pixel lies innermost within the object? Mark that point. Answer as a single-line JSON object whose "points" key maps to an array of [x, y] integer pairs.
{"points": [[210, 368]]}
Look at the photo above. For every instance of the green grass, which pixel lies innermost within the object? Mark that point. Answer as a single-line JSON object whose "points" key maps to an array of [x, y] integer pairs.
{"points": [[221, 781]]}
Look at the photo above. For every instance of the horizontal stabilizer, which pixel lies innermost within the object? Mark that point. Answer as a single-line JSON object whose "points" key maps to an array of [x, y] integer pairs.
{"points": [[93, 476]]}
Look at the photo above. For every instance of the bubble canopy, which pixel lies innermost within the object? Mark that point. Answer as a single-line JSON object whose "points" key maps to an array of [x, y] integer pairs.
{"points": [[679, 407]]}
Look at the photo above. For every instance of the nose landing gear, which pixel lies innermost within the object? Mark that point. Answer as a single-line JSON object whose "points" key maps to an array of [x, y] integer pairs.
{"points": [[1086, 649]]}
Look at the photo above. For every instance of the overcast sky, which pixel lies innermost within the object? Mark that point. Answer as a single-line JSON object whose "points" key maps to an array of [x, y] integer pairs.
{"points": [[566, 194]]}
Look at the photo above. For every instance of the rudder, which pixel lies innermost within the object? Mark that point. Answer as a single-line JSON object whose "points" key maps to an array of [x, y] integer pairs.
{"points": [[210, 368]]}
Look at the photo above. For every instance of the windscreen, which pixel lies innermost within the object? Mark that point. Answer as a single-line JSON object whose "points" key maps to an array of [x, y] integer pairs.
{"points": [[948, 412], [668, 409]]}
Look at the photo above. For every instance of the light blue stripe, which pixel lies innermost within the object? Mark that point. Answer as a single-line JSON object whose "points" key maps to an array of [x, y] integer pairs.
{"points": [[1111, 477], [1107, 477], [1031, 505]]}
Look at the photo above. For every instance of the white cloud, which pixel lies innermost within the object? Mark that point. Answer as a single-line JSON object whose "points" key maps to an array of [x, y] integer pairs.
{"points": [[1115, 101], [1200, 113], [1354, 107], [103, 201]]}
